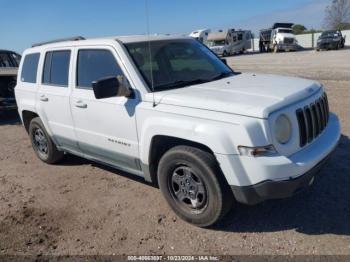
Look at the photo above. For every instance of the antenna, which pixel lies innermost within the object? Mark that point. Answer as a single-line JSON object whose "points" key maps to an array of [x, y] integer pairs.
{"points": [[149, 50]]}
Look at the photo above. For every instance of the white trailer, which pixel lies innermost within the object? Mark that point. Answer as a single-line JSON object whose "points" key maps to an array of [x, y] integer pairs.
{"points": [[201, 35], [230, 42]]}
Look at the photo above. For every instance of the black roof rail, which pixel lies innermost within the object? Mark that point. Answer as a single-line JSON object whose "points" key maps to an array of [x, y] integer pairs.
{"points": [[75, 38]]}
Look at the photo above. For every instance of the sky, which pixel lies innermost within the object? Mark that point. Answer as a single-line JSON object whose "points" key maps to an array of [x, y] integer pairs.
{"points": [[23, 23]]}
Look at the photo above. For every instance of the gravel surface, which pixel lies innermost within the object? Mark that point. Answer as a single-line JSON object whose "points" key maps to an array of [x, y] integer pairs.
{"points": [[80, 207]]}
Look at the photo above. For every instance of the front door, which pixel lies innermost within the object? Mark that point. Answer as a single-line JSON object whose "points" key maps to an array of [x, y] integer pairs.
{"points": [[105, 128]]}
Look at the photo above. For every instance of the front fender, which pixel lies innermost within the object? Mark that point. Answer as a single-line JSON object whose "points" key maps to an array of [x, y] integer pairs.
{"points": [[221, 137]]}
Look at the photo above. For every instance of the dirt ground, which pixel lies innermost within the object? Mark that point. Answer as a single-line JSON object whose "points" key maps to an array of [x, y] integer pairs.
{"points": [[79, 207]]}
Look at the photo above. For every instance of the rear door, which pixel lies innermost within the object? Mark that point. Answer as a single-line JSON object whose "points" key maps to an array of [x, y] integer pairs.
{"points": [[105, 128], [53, 96]]}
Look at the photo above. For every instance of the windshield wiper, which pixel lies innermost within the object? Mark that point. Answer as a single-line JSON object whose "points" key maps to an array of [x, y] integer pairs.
{"points": [[222, 75], [182, 83]]}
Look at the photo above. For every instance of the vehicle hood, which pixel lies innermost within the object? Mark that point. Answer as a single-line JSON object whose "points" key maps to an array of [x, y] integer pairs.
{"points": [[214, 47], [254, 95], [328, 39]]}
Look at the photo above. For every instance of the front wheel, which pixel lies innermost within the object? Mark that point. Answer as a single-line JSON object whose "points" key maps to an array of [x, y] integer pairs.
{"points": [[42, 144], [194, 186]]}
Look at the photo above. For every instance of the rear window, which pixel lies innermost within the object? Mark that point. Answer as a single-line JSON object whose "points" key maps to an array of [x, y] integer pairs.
{"points": [[30, 68], [8, 59], [56, 68]]}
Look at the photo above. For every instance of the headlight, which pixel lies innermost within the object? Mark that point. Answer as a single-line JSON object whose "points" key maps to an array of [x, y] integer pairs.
{"points": [[283, 129]]}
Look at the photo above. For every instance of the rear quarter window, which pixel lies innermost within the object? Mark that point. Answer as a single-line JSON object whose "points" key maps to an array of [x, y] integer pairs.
{"points": [[56, 68], [30, 68]]}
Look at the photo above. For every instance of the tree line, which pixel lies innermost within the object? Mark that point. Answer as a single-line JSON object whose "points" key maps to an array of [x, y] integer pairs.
{"points": [[337, 17]]}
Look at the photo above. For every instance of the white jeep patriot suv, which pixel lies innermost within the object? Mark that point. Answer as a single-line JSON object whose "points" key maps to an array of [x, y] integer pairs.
{"points": [[168, 109]]}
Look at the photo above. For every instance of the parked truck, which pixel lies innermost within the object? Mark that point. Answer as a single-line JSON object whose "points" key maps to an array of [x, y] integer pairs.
{"points": [[9, 62], [279, 37], [331, 39], [229, 42]]}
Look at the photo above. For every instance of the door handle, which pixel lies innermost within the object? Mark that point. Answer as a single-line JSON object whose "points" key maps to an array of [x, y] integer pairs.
{"points": [[44, 98], [80, 104]]}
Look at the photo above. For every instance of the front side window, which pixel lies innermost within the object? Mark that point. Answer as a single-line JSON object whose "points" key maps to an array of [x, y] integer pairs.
{"points": [[176, 63], [94, 65], [30, 68], [56, 68]]}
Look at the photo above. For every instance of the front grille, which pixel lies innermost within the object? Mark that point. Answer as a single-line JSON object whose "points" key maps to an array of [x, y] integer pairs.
{"points": [[288, 40], [312, 120]]}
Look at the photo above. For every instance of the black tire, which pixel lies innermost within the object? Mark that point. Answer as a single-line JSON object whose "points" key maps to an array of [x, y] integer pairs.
{"points": [[213, 198], [42, 143], [224, 54]]}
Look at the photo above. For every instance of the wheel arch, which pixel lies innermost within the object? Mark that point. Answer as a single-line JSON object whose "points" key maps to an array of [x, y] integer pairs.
{"points": [[27, 117], [162, 143]]}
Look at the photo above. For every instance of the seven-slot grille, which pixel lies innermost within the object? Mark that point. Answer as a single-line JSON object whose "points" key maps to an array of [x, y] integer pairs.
{"points": [[312, 120]]}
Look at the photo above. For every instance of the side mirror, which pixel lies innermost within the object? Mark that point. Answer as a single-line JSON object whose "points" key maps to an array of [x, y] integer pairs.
{"points": [[111, 87], [224, 60]]}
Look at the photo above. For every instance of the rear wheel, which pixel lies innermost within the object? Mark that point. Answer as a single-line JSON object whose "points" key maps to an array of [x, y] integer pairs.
{"points": [[225, 54], [42, 144], [194, 186]]}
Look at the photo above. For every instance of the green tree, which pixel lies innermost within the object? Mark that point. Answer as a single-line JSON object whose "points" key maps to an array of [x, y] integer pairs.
{"points": [[298, 29]]}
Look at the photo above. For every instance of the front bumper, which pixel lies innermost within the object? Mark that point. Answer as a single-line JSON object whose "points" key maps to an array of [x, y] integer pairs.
{"points": [[287, 47], [219, 52], [328, 45], [255, 194]]}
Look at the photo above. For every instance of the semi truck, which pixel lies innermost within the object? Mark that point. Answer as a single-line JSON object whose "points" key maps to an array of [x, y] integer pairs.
{"points": [[279, 37], [229, 42]]}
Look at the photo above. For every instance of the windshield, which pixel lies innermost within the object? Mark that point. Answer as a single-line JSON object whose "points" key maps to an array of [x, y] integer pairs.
{"points": [[176, 63], [329, 34], [216, 42], [286, 31]]}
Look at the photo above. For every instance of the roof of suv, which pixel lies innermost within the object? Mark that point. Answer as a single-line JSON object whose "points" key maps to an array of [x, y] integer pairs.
{"points": [[7, 51], [94, 41]]}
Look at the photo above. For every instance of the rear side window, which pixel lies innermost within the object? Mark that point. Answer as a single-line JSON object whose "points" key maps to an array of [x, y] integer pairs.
{"points": [[56, 68], [94, 65], [30, 68]]}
